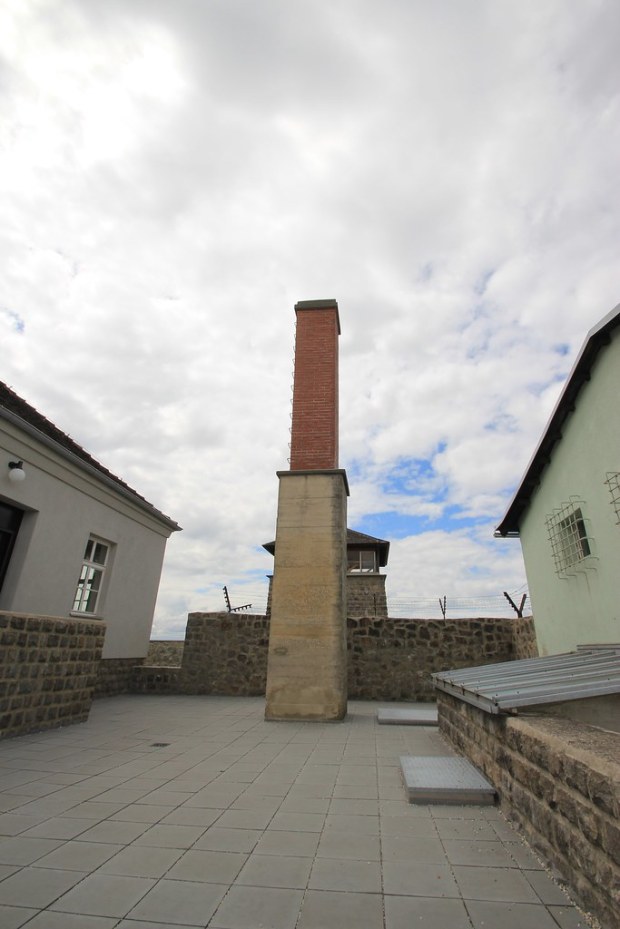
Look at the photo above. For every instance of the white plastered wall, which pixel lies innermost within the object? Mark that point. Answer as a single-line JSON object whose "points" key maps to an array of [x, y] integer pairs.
{"points": [[65, 505], [584, 608]]}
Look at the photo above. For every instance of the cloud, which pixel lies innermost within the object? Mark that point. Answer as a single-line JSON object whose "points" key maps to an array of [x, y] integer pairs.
{"points": [[175, 177]]}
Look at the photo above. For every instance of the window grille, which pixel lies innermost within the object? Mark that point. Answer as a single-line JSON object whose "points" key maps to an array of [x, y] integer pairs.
{"points": [[613, 482], [571, 544]]}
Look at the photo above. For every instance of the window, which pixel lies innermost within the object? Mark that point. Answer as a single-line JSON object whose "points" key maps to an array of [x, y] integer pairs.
{"points": [[570, 543], [613, 482], [361, 561], [91, 576]]}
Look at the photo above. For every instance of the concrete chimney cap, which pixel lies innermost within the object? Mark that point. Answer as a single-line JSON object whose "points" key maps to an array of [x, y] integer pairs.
{"points": [[319, 305]]}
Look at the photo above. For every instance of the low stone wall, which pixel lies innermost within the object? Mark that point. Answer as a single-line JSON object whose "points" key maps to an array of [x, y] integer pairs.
{"points": [[226, 654], [559, 780], [165, 653], [393, 659], [116, 676], [48, 668], [388, 659]]}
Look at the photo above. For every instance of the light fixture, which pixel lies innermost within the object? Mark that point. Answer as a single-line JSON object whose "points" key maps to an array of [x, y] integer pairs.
{"points": [[16, 471]]}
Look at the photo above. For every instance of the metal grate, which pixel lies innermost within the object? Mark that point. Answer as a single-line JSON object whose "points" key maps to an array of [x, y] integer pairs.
{"points": [[571, 543], [591, 671], [613, 482]]}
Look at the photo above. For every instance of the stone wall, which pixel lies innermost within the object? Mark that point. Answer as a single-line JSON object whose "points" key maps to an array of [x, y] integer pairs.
{"points": [[116, 676], [388, 659], [48, 667], [559, 781], [393, 659], [366, 595], [225, 653], [165, 652]]}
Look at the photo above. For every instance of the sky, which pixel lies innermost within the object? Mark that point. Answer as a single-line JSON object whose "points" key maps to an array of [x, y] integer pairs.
{"points": [[175, 176]]}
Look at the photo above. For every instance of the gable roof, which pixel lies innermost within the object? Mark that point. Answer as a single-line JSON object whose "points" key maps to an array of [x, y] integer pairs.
{"points": [[14, 409], [598, 337], [357, 539]]}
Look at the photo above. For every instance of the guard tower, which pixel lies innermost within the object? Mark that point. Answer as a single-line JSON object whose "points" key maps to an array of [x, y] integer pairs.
{"points": [[306, 672]]}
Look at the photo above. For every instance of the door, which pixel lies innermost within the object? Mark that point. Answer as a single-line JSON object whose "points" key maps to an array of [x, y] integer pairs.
{"points": [[10, 521]]}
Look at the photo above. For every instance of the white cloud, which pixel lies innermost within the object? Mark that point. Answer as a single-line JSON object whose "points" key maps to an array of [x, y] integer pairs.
{"points": [[175, 177]]}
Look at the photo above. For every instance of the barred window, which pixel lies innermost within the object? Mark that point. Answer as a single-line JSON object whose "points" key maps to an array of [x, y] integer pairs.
{"points": [[570, 542], [613, 482]]}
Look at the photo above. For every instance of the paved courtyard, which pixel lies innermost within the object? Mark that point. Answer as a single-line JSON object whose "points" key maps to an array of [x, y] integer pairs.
{"points": [[194, 812]]}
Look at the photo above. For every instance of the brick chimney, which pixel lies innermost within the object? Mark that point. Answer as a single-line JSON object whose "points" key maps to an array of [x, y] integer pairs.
{"points": [[314, 432]]}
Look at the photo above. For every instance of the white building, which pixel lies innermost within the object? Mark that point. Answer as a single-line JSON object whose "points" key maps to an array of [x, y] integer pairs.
{"points": [[566, 510], [74, 539]]}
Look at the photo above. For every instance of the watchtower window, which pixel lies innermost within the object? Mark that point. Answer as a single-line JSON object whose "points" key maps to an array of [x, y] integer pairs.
{"points": [[361, 561]]}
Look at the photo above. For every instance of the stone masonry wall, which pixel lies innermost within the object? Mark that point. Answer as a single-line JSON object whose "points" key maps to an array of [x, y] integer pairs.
{"points": [[165, 653], [366, 595], [392, 659], [559, 780], [116, 676], [225, 653], [388, 659], [48, 667]]}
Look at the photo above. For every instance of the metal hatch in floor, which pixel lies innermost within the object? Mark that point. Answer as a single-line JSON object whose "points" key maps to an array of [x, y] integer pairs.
{"points": [[591, 671]]}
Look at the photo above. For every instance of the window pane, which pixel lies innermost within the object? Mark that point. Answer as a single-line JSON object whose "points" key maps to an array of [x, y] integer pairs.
{"points": [[88, 550], [100, 553]]}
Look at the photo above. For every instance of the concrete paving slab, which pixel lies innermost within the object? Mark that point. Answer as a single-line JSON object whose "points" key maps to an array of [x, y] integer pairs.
{"points": [[419, 715], [444, 779], [211, 854]]}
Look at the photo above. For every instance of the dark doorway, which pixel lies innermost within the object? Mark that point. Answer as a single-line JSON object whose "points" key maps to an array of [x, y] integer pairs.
{"points": [[10, 521]]}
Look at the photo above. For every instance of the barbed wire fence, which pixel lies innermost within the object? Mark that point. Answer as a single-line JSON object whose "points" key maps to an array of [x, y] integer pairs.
{"points": [[502, 605]]}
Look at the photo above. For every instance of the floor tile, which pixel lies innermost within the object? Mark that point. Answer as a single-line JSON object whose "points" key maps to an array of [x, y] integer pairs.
{"points": [[348, 822], [244, 819], [169, 836], [494, 884], [473, 829], [478, 854], [78, 856], [298, 822], [195, 816], [429, 913], [548, 891], [349, 845], [179, 903], [419, 878], [509, 916], [249, 907], [274, 842], [275, 871], [36, 888], [323, 908], [334, 874], [12, 917], [21, 850], [141, 861], [141, 813], [114, 832], [568, 917], [209, 867], [103, 895], [413, 848], [49, 920], [229, 840]]}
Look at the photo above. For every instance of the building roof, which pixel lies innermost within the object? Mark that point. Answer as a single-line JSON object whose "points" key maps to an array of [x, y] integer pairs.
{"points": [[357, 539], [16, 410], [596, 340]]}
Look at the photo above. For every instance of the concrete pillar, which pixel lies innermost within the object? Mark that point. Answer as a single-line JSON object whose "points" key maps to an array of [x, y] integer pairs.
{"points": [[307, 667]]}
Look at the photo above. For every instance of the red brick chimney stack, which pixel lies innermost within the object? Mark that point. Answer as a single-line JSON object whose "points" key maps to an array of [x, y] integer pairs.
{"points": [[314, 432]]}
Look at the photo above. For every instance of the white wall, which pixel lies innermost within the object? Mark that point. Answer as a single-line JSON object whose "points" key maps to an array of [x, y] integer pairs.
{"points": [[64, 506], [584, 608]]}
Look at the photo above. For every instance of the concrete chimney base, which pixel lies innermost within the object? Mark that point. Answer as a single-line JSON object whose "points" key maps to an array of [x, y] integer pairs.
{"points": [[307, 668]]}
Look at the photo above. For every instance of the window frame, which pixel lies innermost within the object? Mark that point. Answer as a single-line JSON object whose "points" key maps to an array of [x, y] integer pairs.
{"points": [[359, 553], [90, 569], [571, 542]]}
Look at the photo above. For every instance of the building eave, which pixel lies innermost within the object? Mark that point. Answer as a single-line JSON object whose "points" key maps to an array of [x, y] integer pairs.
{"points": [[598, 337]]}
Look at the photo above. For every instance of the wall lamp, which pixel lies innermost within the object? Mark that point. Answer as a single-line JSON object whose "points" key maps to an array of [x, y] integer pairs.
{"points": [[16, 471]]}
